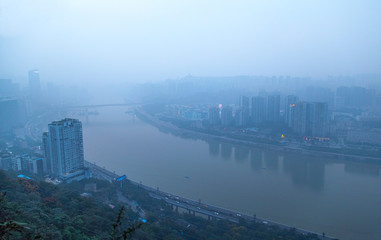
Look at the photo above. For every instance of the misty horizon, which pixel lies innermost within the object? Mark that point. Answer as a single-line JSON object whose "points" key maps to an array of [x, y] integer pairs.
{"points": [[196, 119], [91, 42]]}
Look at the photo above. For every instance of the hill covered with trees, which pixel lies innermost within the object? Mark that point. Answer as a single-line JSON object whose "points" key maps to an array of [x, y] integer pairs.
{"points": [[34, 209]]}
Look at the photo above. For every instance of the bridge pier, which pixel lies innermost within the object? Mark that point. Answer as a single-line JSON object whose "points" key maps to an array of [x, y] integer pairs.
{"points": [[208, 218], [177, 209]]}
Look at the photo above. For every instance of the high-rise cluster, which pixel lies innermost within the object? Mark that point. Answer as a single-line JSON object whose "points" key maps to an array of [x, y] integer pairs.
{"points": [[309, 119], [303, 118], [261, 109]]}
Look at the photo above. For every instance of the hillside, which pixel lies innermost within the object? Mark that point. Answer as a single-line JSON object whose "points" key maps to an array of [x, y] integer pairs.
{"points": [[33, 209]]}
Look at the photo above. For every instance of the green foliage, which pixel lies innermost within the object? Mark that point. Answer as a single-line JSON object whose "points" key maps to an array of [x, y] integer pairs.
{"points": [[117, 232], [39, 210]]}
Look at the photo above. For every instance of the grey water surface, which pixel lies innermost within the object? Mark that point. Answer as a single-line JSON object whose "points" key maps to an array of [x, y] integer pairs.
{"points": [[338, 197]]}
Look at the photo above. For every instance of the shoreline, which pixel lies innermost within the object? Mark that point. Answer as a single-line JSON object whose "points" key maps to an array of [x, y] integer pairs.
{"points": [[169, 128], [285, 149], [226, 214]]}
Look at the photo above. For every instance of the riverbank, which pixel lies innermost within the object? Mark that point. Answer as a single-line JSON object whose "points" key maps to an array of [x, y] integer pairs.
{"points": [[211, 211], [312, 193], [272, 147]]}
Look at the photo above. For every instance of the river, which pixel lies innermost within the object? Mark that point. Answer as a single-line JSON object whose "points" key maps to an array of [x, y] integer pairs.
{"points": [[340, 198]]}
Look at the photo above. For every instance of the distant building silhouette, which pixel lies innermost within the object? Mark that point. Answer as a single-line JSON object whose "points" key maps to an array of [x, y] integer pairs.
{"points": [[300, 118], [353, 97], [290, 102], [273, 108], [319, 94], [242, 117], [12, 113], [34, 90], [258, 109], [243, 113], [320, 120], [311, 119], [214, 116], [244, 102], [226, 116]]}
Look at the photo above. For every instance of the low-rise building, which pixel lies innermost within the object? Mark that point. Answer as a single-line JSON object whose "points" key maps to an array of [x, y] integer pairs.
{"points": [[372, 136]]}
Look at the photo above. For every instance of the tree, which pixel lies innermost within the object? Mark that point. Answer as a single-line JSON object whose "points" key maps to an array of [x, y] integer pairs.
{"points": [[117, 233]]}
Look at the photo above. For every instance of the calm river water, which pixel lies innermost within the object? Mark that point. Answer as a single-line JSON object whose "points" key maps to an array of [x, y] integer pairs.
{"points": [[340, 198]]}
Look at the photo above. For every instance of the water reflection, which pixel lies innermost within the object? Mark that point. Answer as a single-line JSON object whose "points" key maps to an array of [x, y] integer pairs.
{"points": [[305, 172], [214, 148], [241, 154], [274, 179], [226, 150], [256, 158], [362, 169], [271, 160]]}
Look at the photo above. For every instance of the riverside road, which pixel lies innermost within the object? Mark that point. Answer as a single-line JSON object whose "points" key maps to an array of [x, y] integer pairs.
{"points": [[212, 212]]}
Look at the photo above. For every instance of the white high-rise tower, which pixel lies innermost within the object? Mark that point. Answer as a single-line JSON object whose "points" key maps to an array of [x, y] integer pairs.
{"points": [[63, 145]]}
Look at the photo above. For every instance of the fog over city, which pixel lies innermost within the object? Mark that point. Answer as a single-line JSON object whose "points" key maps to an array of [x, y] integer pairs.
{"points": [[171, 119], [133, 41]]}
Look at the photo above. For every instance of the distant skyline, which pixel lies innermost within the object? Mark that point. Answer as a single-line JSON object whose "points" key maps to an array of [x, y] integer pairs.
{"points": [[84, 41]]}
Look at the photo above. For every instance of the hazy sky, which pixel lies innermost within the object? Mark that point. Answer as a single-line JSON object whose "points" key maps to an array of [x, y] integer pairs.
{"points": [[142, 40]]}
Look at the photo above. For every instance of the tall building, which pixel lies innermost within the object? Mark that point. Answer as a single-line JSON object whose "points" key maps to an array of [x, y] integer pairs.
{"points": [[355, 96], [63, 146], [320, 119], [244, 112], [241, 117], [238, 117], [273, 108], [5, 160], [46, 147], [12, 114], [226, 116], [214, 116], [300, 118], [289, 109], [311, 119], [258, 109], [34, 90], [244, 102], [37, 166], [319, 94]]}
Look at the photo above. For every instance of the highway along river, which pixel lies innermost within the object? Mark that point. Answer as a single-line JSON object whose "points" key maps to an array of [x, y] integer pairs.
{"points": [[340, 198]]}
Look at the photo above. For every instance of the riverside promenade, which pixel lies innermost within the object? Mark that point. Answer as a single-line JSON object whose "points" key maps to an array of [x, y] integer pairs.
{"points": [[196, 207], [272, 147]]}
